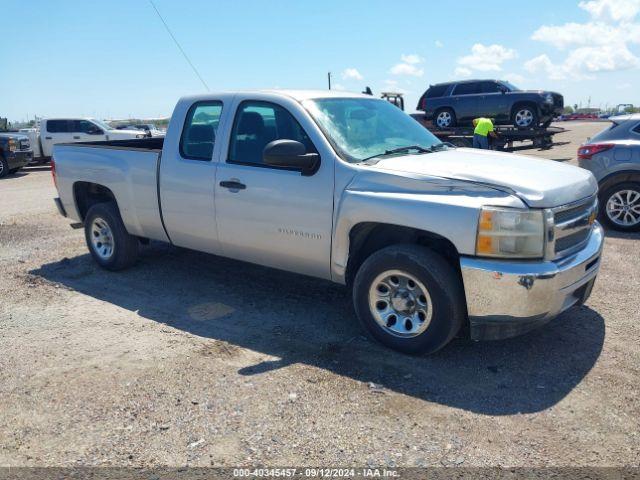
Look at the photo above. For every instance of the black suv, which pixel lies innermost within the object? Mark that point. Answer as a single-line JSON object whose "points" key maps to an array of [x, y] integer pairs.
{"points": [[458, 103]]}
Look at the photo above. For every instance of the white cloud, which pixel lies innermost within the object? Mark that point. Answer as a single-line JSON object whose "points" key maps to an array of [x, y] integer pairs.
{"points": [[462, 72], [411, 59], [439, 44], [583, 62], [600, 45], [351, 74], [486, 58], [409, 66], [514, 77], [611, 10]]}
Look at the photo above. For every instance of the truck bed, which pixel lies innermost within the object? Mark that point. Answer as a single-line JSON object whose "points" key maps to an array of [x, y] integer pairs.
{"points": [[153, 144]]}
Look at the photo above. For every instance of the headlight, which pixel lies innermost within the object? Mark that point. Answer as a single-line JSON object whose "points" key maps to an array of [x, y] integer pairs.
{"points": [[140, 136], [13, 145], [508, 232], [548, 98]]}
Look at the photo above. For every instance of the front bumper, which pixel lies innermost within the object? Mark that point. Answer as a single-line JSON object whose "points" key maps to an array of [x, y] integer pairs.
{"points": [[508, 298], [19, 158]]}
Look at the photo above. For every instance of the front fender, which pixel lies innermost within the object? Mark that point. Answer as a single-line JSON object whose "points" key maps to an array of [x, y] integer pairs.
{"points": [[443, 207]]}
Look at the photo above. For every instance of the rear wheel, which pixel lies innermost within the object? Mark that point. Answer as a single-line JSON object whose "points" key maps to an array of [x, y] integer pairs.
{"points": [[524, 116], [620, 206], [4, 167], [445, 118], [409, 298], [110, 244]]}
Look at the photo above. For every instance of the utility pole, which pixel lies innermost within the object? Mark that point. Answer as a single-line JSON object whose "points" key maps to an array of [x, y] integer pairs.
{"points": [[329, 78]]}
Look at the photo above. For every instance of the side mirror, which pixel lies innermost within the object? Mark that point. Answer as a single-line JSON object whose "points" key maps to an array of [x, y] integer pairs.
{"points": [[94, 131], [290, 154]]}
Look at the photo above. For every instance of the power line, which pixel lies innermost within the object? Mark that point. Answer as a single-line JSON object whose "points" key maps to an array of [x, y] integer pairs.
{"points": [[195, 70]]}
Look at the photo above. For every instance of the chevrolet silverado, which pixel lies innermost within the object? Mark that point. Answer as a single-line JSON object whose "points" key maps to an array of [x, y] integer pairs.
{"points": [[430, 238]]}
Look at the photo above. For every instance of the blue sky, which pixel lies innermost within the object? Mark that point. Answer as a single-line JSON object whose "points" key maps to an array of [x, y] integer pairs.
{"points": [[114, 59]]}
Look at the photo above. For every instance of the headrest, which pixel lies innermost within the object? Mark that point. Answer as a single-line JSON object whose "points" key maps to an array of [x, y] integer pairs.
{"points": [[201, 133], [251, 123]]}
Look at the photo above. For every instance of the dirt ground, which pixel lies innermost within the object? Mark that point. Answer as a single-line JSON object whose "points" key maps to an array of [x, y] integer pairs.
{"points": [[191, 359]]}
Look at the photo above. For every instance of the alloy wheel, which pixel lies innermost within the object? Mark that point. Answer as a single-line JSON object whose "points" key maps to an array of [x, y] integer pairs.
{"points": [[524, 117], [623, 208], [444, 119]]}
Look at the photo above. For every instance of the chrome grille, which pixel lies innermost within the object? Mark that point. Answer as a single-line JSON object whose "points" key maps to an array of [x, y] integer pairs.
{"points": [[572, 225], [24, 144]]}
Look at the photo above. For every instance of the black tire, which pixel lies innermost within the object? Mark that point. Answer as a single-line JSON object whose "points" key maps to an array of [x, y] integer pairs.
{"points": [[607, 194], [124, 246], [14, 170], [442, 282], [532, 115], [4, 167], [452, 116]]}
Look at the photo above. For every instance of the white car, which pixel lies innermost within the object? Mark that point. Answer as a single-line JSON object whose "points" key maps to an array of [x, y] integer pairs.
{"points": [[75, 130]]}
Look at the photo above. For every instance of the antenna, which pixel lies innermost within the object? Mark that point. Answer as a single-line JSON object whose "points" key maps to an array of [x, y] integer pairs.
{"points": [[329, 78], [179, 47]]}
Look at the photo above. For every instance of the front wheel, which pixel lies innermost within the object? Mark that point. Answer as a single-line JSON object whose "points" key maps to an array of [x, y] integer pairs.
{"points": [[524, 117], [409, 298], [620, 206], [110, 244]]}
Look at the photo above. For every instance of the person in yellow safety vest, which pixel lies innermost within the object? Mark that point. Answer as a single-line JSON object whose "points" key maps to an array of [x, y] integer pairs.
{"points": [[483, 128]]}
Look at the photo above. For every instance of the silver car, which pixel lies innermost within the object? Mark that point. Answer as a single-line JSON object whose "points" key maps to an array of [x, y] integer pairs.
{"points": [[613, 156]]}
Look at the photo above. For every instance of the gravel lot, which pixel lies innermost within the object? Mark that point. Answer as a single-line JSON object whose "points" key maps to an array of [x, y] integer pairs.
{"points": [[191, 359]]}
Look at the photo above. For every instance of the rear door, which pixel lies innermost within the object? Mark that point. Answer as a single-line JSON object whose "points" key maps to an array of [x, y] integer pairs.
{"points": [[188, 173], [466, 101], [268, 215], [56, 131]]}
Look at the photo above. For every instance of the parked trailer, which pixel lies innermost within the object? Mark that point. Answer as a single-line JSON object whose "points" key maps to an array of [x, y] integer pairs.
{"points": [[539, 137]]}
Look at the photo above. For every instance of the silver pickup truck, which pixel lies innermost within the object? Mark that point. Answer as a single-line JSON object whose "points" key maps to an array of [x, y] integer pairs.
{"points": [[431, 238]]}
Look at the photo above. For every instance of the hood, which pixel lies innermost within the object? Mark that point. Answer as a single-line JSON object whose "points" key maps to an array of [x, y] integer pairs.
{"points": [[15, 136], [539, 183]]}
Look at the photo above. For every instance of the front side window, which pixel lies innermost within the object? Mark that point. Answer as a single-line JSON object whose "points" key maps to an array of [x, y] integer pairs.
{"points": [[490, 87], [199, 131], [258, 123], [85, 126], [636, 129], [466, 88], [360, 128]]}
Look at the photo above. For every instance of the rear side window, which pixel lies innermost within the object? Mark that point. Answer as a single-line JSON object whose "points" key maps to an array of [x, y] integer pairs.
{"points": [[258, 123], [467, 88], [58, 126], [437, 91], [636, 129], [199, 131]]}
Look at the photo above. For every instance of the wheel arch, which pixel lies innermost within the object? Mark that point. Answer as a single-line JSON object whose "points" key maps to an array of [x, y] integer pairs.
{"points": [[87, 194], [618, 177], [366, 238]]}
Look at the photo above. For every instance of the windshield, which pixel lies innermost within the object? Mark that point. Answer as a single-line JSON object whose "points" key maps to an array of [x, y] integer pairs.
{"points": [[511, 86], [103, 125], [361, 128]]}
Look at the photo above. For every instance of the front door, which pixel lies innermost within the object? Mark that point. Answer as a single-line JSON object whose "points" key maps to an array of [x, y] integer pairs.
{"points": [[268, 215]]}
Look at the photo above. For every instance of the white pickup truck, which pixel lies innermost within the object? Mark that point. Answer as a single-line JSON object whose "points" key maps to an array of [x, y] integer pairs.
{"points": [[73, 130], [345, 187]]}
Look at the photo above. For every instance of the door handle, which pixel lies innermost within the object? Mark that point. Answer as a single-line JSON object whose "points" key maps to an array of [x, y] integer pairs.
{"points": [[233, 185], [47, 138], [76, 138]]}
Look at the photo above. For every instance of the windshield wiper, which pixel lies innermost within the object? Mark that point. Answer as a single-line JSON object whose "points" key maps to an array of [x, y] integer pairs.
{"points": [[393, 151]]}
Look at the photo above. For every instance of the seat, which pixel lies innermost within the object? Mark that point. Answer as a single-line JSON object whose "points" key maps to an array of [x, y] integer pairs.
{"points": [[200, 139], [250, 141]]}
